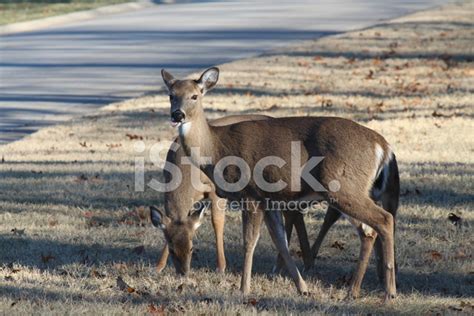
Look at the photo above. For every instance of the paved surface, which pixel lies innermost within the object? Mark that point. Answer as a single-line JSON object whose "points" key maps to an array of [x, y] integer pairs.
{"points": [[49, 75]]}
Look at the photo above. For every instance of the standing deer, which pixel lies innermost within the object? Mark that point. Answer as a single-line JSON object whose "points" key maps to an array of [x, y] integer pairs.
{"points": [[179, 221], [354, 159]]}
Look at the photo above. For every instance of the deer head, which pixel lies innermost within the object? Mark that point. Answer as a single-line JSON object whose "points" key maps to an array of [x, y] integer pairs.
{"points": [[179, 235], [186, 95]]}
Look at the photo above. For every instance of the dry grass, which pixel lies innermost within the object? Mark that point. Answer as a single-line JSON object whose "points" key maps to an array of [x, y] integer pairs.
{"points": [[12, 11], [68, 190]]}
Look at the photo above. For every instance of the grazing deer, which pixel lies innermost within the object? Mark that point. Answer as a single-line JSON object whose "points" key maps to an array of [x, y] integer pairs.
{"points": [[179, 220], [347, 177]]}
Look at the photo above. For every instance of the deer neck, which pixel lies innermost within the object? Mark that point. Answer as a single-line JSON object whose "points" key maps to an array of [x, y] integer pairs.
{"points": [[198, 134]]}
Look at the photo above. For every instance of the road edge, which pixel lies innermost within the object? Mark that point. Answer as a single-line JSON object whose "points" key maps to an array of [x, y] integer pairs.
{"points": [[37, 24]]}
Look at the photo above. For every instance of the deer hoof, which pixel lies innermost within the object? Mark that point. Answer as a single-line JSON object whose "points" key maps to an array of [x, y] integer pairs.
{"points": [[389, 298]]}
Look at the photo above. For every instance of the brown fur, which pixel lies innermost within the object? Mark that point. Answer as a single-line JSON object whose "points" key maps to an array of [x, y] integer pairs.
{"points": [[350, 158]]}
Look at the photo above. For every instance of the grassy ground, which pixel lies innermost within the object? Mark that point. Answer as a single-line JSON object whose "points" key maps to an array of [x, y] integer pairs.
{"points": [[71, 223], [12, 11]]}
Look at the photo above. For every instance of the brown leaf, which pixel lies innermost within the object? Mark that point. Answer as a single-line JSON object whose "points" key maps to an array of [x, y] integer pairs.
{"points": [[142, 213], [370, 75], [460, 255], [53, 222], [338, 245], [47, 258], [435, 255], [81, 178], [133, 136], [110, 146], [83, 144], [351, 60], [437, 114], [251, 301], [155, 310], [123, 286], [96, 274], [303, 63]]}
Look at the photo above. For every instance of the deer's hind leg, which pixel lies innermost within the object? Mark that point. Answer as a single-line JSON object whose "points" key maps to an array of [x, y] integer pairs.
{"points": [[366, 211], [367, 238]]}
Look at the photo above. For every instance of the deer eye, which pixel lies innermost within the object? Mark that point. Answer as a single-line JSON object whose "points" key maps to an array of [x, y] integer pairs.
{"points": [[194, 97]]}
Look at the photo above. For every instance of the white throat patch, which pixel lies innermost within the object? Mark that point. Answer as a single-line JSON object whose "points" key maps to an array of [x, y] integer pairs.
{"points": [[184, 128]]}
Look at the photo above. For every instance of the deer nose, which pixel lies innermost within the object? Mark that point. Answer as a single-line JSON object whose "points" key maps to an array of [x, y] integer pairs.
{"points": [[178, 116]]}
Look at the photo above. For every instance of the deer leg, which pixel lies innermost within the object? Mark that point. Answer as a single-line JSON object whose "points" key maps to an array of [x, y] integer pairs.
{"points": [[274, 224], [218, 221], [161, 264], [289, 221], [303, 239], [332, 215], [251, 222], [367, 239], [366, 211], [390, 204]]}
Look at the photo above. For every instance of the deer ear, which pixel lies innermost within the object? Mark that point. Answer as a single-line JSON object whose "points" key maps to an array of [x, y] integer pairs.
{"points": [[167, 78], [208, 79], [158, 217], [197, 216]]}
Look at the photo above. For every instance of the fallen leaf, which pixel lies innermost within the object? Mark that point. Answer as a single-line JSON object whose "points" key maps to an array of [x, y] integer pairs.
{"points": [[251, 301], [123, 286], [81, 178], [133, 136], [96, 274], [435, 255], [338, 245], [460, 255], [437, 114], [83, 144], [370, 75], [110, 146], [47, 258], [53, 222], [155, 310]]}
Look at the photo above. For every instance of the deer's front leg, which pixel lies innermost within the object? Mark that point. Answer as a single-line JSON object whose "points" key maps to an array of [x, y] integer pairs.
{"points": [[161, 264], [274, 224], [332, 215], [218, 221], [251, 222]]}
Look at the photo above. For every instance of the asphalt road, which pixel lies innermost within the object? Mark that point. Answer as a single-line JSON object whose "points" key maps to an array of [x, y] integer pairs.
{"points": [[52, 74]]}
